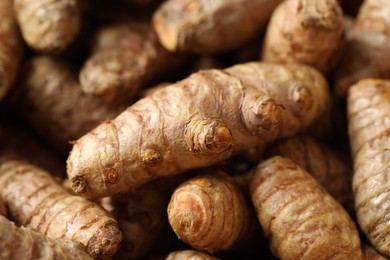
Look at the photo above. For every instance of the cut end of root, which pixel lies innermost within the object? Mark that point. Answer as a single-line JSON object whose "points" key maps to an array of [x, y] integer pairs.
{"points": [[106, 242], [79, 184], [167, 36]]}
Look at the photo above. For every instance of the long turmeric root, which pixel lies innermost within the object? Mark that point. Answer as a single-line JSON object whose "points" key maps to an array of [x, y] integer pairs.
{"points": [[199, 121], [10, 47], [369, 132], [35, 200], [210, 26], [301, 220], [27, 244]]}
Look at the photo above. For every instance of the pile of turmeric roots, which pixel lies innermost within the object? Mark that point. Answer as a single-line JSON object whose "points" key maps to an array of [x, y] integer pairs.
{"points": [[194, 129]]}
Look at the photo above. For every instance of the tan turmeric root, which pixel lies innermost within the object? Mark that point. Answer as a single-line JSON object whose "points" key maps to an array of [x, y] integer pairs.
{"points": [[190, 255], [142, 216], [196, 122], [48, 25], [49, 98], [35, 200], [209, 212], [366, 48], [125, 57], [301, 220], [11, 47], [326, 165], [369, 132], [26, 244], [304, 31], [210, 26]]}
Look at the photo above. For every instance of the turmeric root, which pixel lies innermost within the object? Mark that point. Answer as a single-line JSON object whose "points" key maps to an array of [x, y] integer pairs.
{"points": [[367, 46], [142, 216], [189, 255], [369, 128], [48, 25], [35, 200], [209, 212], [11, 47], [196, 122], [326, 165], [210, 26], [304, 31], [301, 220], [125, 57], [49, 98], [27, 244]]}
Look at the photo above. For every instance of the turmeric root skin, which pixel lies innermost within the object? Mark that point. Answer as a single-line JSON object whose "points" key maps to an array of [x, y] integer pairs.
{"points": [[369, 133], [210, 26], [125, 57], [209, 212], [199, 121], [301, 220], [326, 165], [50, 99], [25, 243], [35, 200], [49, 25], [304, 31]]}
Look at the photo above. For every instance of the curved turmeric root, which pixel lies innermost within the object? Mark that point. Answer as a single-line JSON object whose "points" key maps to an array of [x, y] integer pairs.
{"points": [[196, 122], [25, 243], [11, 47], [304, 31], [35, 200], [50, 25], [301, 220], [369, 133]]}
